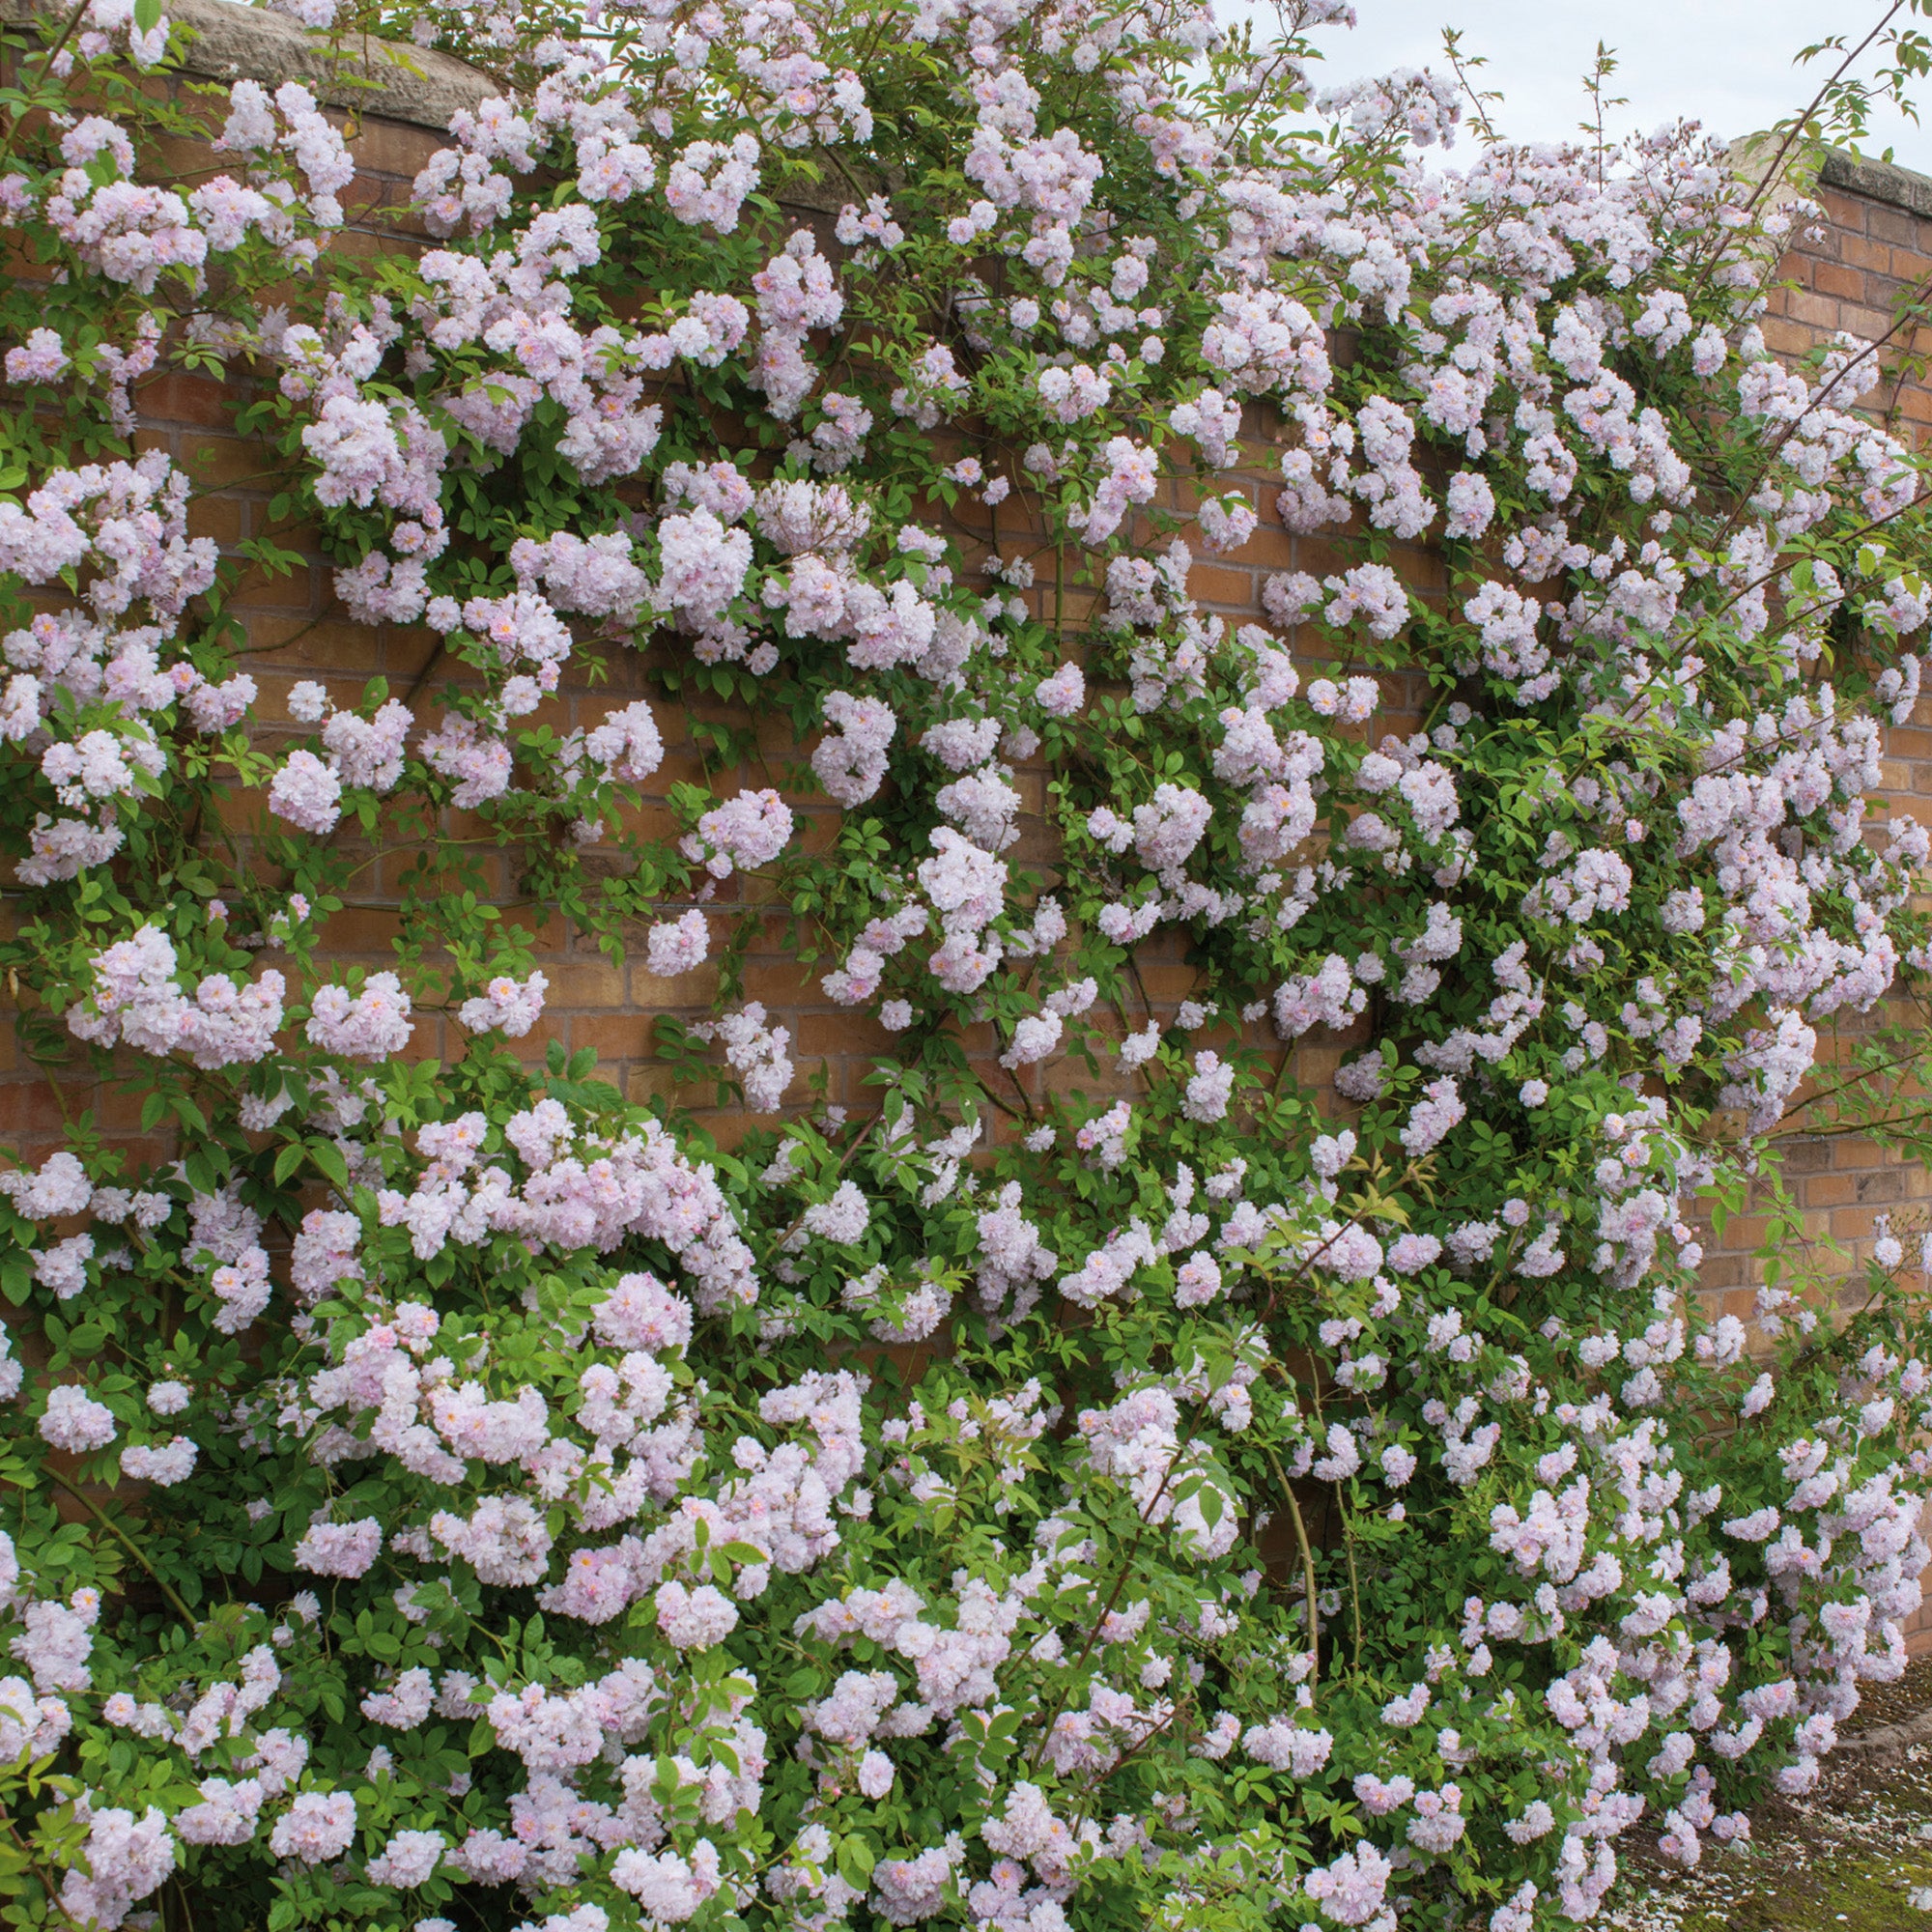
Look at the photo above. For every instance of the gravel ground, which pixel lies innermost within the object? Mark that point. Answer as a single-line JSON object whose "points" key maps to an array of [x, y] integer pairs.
{"points": [[1855, 1855]]}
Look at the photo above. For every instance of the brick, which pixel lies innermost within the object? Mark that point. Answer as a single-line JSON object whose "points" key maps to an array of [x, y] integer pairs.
{"points": [[781, 984], [1857, 250], [1870, 323], [1826, 1194], [390, 148], [362, 930], [1802, 306], [30, 1107], [625, 1035], [1843, 214], [585, 982], [1213, 584], [1788, 338], [180, 158], [216, 516], [224, 462], [1889, 224], [1910, 266], [366, 194], [295, 590], [1831, 278], [181, 397]]}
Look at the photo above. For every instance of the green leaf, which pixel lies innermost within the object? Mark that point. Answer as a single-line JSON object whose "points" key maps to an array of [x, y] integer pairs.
{"points": [[856, 1860], [327, 1156], [16, 1278]]}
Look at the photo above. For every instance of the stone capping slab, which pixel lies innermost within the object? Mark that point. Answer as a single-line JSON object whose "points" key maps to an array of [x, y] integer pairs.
{"points": [[1869, 179], [1890, 1739], [233, 41], [1877, 181]]}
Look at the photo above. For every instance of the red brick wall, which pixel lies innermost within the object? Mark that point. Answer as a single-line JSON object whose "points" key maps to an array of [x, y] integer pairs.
{"points": [[1875, 242], [1864, 267]]}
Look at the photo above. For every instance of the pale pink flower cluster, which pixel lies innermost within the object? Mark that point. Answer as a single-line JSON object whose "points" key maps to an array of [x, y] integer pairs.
{"points": [[72, 1420], [850, 759], [1131, 476], [748, 830], [626, 749], [127, 1858], [757, 1052], [576, 1193], [317, 1827], [675, 946], [372, 1024], [360, 751], [506, 1005], [134, 998]]}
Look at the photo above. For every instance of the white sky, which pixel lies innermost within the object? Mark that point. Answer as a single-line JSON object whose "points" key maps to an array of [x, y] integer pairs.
{"points": [[1726, 63]]}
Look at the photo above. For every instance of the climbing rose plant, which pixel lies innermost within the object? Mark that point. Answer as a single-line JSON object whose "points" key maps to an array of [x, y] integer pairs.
{"points": [[1112, 1480]]}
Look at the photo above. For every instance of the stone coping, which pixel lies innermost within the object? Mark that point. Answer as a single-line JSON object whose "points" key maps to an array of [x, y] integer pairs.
{"points": [[1849, 174], [1877, 181], [232, 41]]}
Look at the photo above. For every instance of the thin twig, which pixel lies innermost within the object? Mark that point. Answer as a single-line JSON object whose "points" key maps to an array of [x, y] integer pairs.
{"points": [[48, 58], [777, 1248], [1307, 1569], [133, 1549], [1799, 124], [1105, 1611], [33, 1865]]}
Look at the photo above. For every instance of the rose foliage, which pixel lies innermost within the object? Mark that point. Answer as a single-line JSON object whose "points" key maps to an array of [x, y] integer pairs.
{"points": [[1116, 1479]]}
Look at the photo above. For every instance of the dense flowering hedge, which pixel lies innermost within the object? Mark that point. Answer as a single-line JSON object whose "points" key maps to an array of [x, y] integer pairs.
{"points": [[448, 1496]]}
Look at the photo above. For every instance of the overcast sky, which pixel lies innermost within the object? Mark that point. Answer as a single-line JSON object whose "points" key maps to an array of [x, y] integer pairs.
{"points": [[1726, 63]]}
